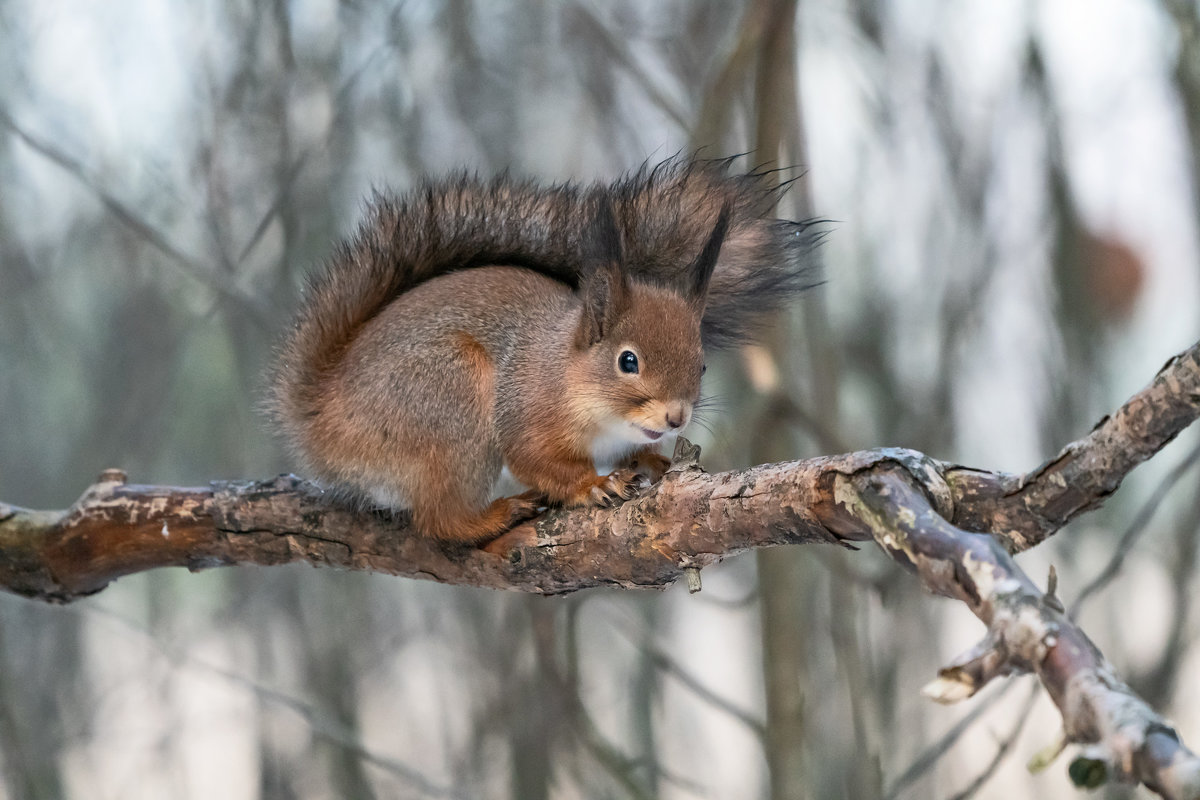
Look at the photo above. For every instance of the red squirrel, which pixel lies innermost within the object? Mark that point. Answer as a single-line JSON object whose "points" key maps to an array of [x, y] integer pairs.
{"points": [[557, 333]]}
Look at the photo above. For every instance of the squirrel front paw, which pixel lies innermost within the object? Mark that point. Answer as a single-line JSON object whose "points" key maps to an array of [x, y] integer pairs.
{"points": [[618, 486]]}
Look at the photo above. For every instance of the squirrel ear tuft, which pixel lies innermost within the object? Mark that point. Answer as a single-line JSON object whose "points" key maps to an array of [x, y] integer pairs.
{"points": [[604, 293], [700, 271], [605, 286]]}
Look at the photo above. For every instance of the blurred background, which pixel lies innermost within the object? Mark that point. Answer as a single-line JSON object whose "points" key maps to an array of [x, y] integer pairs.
{"points": [[1012, 253]]}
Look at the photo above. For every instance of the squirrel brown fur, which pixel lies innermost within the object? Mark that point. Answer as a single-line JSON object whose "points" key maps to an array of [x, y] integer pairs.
{"points": [[558, 332]]}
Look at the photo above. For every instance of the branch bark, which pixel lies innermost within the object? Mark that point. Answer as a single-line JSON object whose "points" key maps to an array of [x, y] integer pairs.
{"points": [[920, 510], [1028, 631]]}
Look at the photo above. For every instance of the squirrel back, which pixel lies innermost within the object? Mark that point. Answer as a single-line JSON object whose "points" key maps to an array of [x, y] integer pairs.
{"points": [[685, 233]]}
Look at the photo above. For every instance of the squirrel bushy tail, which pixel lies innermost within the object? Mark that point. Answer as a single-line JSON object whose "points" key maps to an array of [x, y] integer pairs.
{"points": [[665, 214]]}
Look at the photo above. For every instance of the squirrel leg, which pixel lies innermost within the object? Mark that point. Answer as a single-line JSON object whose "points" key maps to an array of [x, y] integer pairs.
{"points": [[451, 503], [462, 526], [574, 482]]}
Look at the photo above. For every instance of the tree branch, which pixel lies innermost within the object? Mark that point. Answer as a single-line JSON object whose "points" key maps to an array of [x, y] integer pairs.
{"points": [[919, 510], [692, 519], [1028, 631], [1025, 510]]}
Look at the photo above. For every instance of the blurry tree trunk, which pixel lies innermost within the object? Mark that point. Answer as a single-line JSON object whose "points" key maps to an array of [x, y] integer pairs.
{"points": [[536, 725], [1187, 78], [1075, 316], [783, 589], [789, 584], [646, 698], [332, 616], [28, 761]]}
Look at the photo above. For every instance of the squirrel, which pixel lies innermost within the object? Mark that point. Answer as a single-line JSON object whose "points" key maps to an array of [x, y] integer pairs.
{"points": [[554, 333]]}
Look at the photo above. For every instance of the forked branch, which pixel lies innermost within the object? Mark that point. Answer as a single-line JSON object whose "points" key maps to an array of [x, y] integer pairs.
{"points": [[1027, 631]]}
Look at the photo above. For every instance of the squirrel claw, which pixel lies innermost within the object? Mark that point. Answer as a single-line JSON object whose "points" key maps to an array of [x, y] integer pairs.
{"points": [[617, 487], [600, 496]]}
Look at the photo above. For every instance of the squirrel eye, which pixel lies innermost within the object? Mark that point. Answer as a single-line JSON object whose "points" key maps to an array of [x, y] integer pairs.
{"points": [[627, 362], [703, 368]]}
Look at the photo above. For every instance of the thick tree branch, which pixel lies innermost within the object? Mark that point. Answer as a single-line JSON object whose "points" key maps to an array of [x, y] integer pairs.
{"points": [[693, 520], [918, 509], [690, 520]]}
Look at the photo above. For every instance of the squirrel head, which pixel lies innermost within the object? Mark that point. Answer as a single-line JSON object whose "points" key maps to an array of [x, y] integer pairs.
{"points": [[638, 357]]}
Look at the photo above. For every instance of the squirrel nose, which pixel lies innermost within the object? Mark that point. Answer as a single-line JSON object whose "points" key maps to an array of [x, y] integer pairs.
{"points": [[676, 417]]}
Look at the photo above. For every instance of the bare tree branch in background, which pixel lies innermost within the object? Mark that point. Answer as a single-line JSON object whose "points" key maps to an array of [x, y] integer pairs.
{"points": [[1004, 747], [924, 762], [920, 511], [321, 722], [254, 307]]}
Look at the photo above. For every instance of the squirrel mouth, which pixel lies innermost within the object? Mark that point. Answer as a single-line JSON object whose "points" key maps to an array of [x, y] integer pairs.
{"points": [[651, 435]]}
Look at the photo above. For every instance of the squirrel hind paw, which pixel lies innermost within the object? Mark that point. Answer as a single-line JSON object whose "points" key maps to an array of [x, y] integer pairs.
{"points": [[525, 506]]}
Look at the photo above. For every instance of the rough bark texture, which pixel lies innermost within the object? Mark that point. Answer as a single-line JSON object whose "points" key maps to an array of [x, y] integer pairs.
{"points": [[1024, 510], [691, 521], [919, 510]]}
